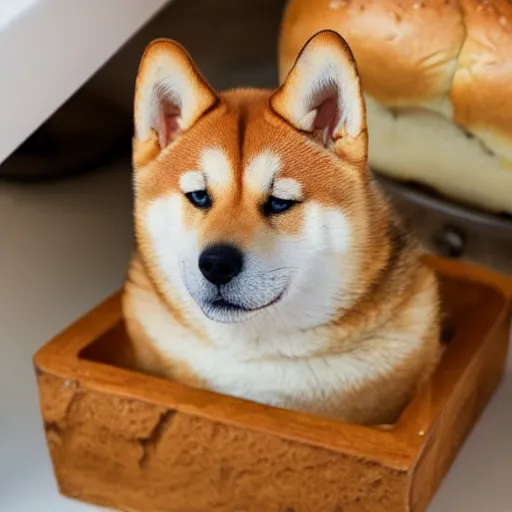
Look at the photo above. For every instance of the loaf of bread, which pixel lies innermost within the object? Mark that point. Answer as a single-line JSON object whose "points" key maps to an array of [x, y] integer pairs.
{"points": [[437, 76]]}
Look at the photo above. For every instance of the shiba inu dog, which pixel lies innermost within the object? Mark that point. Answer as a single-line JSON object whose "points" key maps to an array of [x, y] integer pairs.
{"points": [[269, 265]]}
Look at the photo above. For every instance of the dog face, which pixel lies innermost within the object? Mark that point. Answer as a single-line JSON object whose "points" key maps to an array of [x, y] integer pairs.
{"points": [[252, 205]]}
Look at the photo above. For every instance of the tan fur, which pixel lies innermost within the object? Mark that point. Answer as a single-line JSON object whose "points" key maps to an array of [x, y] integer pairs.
{"points": [[143, 354], [392, 296]]}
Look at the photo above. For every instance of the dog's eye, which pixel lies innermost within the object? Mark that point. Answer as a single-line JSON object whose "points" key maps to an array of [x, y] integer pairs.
{"points": [[199, 199], [275, 205]]}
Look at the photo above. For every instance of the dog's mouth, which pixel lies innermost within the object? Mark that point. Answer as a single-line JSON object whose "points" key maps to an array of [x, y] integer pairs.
{"points": [[224, 311], [222, 304], [225, 304]]}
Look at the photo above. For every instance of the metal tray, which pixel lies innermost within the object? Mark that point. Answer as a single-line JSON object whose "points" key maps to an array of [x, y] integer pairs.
{"points": [[453, 230]]}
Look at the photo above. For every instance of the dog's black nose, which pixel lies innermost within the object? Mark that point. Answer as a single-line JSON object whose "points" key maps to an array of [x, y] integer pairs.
{"points": [[220, 263]]}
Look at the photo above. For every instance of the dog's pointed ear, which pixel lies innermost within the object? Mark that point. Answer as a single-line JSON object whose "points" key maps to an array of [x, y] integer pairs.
{"points": [[170, 96], [322, 96]]}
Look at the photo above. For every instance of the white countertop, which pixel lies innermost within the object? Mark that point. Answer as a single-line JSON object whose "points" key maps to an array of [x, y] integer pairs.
{"points": [[50, 48], [64, 248]]}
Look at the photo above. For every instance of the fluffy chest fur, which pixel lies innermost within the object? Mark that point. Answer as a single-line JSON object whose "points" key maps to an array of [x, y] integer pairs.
{"points": [[360, 374]]}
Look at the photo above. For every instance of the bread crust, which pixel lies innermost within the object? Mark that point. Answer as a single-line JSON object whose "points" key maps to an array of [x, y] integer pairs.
{"points": [[448, 57], [482, 85], [399, 61]]}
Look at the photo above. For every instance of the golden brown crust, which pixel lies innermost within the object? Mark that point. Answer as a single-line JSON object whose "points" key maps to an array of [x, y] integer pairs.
{"points": [[416, 53], [395, 69], [482, 87]]}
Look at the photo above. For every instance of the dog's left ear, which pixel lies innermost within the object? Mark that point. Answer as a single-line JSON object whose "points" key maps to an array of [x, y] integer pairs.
{"points": [[171, 95], [322, 96]]}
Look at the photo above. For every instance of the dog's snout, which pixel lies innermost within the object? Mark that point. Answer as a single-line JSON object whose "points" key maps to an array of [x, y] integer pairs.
{"points": [[220, 263]]}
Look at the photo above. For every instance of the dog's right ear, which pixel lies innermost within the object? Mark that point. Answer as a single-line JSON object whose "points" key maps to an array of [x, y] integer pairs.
{"points": [[170, 96], [322, 96]]}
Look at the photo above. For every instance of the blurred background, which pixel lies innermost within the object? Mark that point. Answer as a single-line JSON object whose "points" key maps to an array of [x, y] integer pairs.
{"points": [[65, 203]]}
